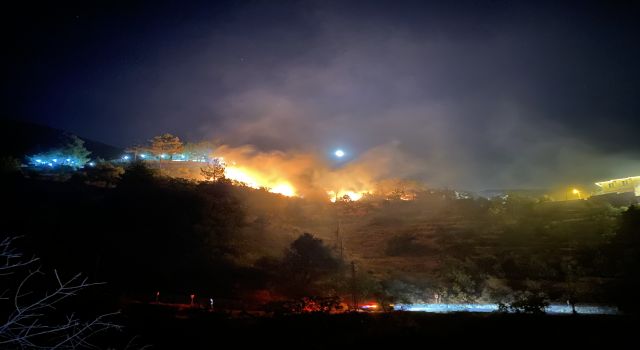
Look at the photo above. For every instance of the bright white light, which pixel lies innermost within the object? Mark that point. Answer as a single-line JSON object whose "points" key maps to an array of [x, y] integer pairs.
{"points": [[55, 160], [125, 157], [354, 196], [284, 189], [68, 160], [143, 156], [92, 163], [551, 309], [163, 155], [339, 153]]}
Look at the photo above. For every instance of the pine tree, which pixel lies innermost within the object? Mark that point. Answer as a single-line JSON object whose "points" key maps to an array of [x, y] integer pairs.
{"points": [[166, 144], [213, 171]]}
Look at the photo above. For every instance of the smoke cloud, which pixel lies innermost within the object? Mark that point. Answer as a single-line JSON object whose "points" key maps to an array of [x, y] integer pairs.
{"points": [[470, 96]]}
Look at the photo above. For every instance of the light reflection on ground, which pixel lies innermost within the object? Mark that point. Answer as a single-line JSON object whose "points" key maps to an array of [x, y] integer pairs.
{"points": [[551, 309]]}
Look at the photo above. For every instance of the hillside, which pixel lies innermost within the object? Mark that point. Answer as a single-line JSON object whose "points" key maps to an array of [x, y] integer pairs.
{"points": [[234, 241], [23, 138]]}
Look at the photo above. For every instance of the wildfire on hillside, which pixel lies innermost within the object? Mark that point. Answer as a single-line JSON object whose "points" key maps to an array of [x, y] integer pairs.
{"points": [[298, 174]]}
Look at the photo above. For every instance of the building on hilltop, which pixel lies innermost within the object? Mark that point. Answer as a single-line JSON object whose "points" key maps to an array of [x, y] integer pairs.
{"points": [[617, 186]]}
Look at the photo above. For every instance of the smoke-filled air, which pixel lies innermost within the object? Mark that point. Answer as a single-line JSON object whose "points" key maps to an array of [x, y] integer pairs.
{"points": [[319, 174]]}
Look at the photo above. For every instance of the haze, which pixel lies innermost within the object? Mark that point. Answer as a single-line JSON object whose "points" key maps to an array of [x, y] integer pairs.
{"points": [[474, 95]]}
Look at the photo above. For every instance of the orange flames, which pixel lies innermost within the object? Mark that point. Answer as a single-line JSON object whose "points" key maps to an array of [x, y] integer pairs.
{"points": [[351, 195], [254, 179], [312, 175]]}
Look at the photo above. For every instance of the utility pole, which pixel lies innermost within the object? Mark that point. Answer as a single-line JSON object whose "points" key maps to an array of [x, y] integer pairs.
{"points": [[354, 292], [338, 239], [339, 246]]}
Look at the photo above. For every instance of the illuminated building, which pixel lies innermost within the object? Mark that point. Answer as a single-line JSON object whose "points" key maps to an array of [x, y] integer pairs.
{"points": [[623, 185]]}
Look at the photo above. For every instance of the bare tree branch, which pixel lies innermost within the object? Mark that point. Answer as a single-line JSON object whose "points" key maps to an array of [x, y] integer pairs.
{"points": [[28, 323]]}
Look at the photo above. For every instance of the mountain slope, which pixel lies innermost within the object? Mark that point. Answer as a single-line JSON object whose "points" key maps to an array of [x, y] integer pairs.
{"points": [[23, 138]]}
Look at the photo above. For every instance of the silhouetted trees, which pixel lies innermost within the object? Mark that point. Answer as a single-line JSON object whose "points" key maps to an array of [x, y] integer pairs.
{"points": [[9, 166], [526, 302], [137, 174], [75, 148], [71, 154], [166, 145], [626, 252], [221, 216], [307, 262], [104, 174], [213, 171], [143, 232]]}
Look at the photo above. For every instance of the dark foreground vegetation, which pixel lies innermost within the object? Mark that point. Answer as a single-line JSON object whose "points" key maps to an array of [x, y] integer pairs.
{"points": [[157, 240], [382, 330]]}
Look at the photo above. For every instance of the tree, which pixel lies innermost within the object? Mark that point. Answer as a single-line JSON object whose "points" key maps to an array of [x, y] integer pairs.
{"points": [[72, 154], [166, 144], [34, 317], [9, 165], [221, 216], [526, 302], [105, 174], [76, 150], [572, 273], [306, 262], [213, 171], [625, 250], [463, 280], [137, 150], [384, 299], [137, 174]]}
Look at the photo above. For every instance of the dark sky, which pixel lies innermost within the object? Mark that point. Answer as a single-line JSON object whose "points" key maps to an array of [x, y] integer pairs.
{"points": [[478, 93]]}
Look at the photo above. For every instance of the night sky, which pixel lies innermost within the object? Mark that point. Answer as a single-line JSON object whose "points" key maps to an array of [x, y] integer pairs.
{"points": [[479, 94]]}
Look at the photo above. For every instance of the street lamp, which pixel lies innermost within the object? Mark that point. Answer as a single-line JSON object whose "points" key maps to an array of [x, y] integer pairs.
{"points": [[576, 192]]}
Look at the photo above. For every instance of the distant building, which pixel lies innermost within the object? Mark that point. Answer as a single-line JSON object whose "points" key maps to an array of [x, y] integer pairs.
{"points": [[617, 186]]}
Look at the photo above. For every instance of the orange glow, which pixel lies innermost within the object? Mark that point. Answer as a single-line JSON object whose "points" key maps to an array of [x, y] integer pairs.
{"points": [[241, 175], [369, 306], [354, 196], [284, 189], [298, 174], [254, 179], [408, 197], [280, 183]]}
